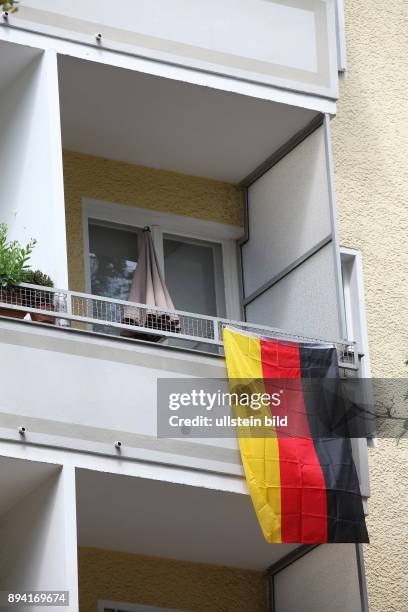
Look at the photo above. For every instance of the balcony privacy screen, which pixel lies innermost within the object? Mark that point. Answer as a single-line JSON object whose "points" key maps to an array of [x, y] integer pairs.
{"points": [[304, 487], [148, 287]]}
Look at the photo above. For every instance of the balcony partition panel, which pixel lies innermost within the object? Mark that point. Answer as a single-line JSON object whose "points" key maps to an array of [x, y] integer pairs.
{"points": [[335, 566], [291, 271], [290, 259]]}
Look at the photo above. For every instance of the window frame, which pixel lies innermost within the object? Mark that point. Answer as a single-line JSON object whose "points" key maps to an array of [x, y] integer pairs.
{"points": [[163, 223], [354, 304], [92, 223], [218, 268], [341, 36]]}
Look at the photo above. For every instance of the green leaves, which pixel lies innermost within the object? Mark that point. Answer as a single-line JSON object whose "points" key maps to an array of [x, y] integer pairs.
{"points": [[14, 263], [36, 277], [9, 5], [14, 259]]}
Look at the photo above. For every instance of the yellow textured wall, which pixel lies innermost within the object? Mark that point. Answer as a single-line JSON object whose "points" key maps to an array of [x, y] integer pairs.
{"points": [[137, 186], [370, 140], [194, 587]]}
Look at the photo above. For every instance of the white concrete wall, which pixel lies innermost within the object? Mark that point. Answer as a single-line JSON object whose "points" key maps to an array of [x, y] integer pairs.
{"points": [[92, 391], [38, 540], [31, 180], [276, 42]]}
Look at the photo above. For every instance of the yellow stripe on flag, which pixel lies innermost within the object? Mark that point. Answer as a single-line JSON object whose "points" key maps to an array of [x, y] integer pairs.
{"points": [[260, 456]]}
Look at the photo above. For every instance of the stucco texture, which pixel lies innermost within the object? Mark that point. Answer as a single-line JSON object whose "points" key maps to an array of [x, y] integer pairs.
{"points": [[370, 146], [194, 587], [87, 176]]}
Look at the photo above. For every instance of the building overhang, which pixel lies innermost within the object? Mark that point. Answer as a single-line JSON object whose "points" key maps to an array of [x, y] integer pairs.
{"points": [[169, 520], [170, 124]]}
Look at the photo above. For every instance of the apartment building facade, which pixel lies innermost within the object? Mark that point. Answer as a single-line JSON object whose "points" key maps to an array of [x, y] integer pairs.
{"points": [[212, 124], [370, 138]]}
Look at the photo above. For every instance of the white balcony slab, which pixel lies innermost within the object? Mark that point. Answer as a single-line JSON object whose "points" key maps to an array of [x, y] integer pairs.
{"points": [[85, 392], [278, 42], [201, 27]]}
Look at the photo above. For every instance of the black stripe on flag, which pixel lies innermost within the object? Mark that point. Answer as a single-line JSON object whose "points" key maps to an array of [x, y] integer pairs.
{"points": [[346, 521]]}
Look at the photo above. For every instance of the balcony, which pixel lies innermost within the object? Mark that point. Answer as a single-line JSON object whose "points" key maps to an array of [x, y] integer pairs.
{"points": [[129, 539], [227, 163], [245, 177], [92, 153], [104, 382], [221, 144], [104, 316]]}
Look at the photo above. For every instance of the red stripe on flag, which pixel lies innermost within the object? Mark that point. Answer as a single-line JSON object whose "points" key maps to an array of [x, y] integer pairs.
{"points": [[303, 487]]}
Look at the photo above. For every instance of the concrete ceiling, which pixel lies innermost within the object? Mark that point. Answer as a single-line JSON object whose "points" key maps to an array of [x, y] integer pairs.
{"points": [[172, 521], [18, 478], [162, 123], [13, 60]]}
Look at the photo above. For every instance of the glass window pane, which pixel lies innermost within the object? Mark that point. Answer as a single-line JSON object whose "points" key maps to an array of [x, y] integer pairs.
{"points": [[113, 253], [190, 273]]}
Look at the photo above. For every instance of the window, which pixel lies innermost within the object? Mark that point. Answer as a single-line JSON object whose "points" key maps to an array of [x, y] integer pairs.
{"points": [[194, 275], [353, 295], [192, 268], [113, 255], [198, 258]]}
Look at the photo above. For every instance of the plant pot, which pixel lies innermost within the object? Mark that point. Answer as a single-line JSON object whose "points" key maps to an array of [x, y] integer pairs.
{"points": [[11, 296], [12, 314], [137, 335], [159, 322], [36, 298], [43, 318]]}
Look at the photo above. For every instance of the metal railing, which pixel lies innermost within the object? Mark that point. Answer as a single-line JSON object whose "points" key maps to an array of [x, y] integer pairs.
{"points": [[62, 307]]}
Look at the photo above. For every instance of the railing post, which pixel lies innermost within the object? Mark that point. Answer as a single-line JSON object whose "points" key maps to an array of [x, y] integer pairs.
{"points": [[68, 297], [217, 331], [63, 304]]}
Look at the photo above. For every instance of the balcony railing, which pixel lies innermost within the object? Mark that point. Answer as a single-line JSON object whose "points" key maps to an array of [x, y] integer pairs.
{"points": [[62, 307]]}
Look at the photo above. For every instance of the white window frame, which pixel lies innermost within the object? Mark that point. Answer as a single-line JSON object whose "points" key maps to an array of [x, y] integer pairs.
{"points": [[177, 225], [353, 292], [218, 270], [354, 305], [341, 37]]}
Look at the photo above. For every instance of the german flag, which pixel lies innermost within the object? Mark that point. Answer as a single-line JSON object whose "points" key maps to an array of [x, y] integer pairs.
{"points": [[304, 489]]}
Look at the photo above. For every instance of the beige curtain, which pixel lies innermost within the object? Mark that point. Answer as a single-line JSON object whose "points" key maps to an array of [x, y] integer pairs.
{"points": [[148, 287]]}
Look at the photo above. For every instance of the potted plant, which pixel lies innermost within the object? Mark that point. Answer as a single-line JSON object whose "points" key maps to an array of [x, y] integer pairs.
{"points": [[36, 298], [13, 269], [9, 6]]}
